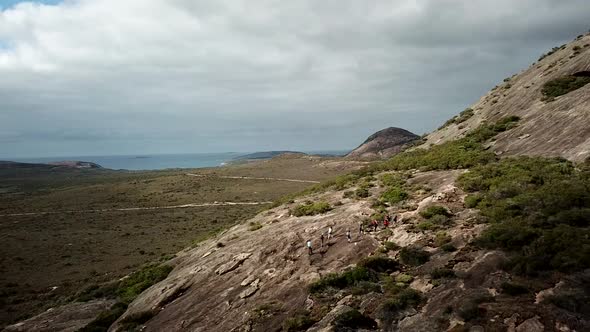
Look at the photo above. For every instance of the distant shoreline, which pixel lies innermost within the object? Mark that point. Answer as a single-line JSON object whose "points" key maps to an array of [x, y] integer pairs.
{"points": [[154, 162]]}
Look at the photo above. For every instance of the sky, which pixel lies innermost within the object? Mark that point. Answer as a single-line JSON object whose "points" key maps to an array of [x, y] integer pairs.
{"points": [[105, 77]]}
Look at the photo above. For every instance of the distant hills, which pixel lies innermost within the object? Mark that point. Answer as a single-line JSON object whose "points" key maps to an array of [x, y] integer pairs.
{"points": [[68, 164]]}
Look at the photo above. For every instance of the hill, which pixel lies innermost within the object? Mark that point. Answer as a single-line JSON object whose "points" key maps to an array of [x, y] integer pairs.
{"points": [[552, 100], [266, 155], [383, 144], [71, 164], [480, 242]]}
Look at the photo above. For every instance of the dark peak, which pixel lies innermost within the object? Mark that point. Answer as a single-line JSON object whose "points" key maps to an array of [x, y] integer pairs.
{"points": [[391, 132]]}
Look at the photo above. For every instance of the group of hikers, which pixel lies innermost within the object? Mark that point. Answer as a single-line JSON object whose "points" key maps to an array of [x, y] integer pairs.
{"points": [[374, 224]]}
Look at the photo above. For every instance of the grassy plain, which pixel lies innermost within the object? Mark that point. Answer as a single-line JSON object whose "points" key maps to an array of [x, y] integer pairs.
{"points": [[48, 258]]}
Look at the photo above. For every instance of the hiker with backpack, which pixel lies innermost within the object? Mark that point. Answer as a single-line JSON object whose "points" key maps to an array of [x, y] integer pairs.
{"points": [[309, 247], [329, 232], [322, 240], [348, 234]]}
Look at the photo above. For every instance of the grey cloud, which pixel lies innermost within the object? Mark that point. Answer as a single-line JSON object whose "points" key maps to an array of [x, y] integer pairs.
{"points": [[87, 76]]}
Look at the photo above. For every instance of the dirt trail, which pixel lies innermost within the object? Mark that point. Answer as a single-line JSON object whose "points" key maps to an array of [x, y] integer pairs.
{"points": [[252, 178], [183, 206]]}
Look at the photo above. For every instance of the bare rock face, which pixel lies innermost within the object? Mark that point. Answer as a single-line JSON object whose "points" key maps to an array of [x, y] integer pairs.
{"points": [[384, 144], [68, 318], [546, 127]]}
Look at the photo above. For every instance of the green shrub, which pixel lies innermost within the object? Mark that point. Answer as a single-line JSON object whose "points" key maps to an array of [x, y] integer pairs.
{"points": [[464, 116], [471, 201], [348, 194], [538, 210], [441, 239], [513, 289], [448, 247], [563, 85], [311, 209], [254, 226], [442, 273], [106, 318], [132, 321], [406, 297], [390, 246], [98, 291], [573, 301], [343, 280], [394, 195], [426, 226], [413, 256], [470, 311], [362, 192], [435, 210], [299, 322], [365, 287], [141, 280], [379, 264], [353, 319], [393, 180], [440, 220], [404, 278]]}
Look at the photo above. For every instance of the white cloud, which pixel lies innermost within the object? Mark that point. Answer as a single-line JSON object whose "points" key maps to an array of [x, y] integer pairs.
{"points": [[181, 70]]}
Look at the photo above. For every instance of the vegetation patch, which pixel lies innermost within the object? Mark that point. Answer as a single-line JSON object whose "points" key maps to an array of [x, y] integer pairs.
{"points": [[513, 288], [413, 256], [435, 210], [311, 209], [138, 281], [566, 84], [254, 226], [379, 264], [539, 209], [300, 322], [442, 273], [342, 280], [105, 319], [353, 319], [394, 195], [462, 153]]}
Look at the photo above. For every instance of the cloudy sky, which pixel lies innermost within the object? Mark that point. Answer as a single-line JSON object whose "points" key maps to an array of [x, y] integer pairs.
{"points": [[98, 77]]}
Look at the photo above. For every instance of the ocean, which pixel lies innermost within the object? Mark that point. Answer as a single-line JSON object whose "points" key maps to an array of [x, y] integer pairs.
{"points": [[157, 161]]}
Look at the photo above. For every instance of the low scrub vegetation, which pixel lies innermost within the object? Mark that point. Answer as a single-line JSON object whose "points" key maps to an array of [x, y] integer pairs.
{"points": [[561, 86], [462, 117], [413, 256], [394, 195], [105, 319], [539, 209], [435, 210], [442, 273], [513, 288], [299, 322], [462, 153], [311, 209], [137, 282], [353, 319], [342, 280]]}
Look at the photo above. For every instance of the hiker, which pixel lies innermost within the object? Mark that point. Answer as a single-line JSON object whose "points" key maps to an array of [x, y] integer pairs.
{"points": [[375, 224], [361, 228], [386, 222], [309, 247], [322, 240], [329, 232], [348, 234], [394, 219]]}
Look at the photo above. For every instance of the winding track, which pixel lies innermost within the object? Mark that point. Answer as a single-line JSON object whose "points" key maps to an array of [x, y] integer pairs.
{"points": [[252, 178], [184, 206]]}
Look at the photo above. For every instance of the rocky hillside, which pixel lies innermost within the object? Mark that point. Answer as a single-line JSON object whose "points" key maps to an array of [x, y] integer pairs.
{"points": [[480, 243], [383, 144], [554, 115]]}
